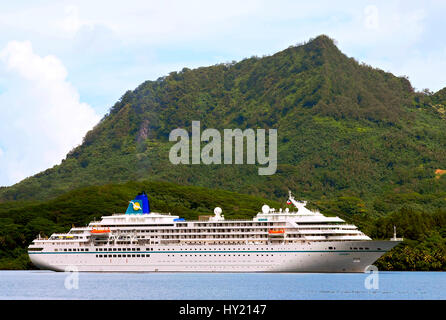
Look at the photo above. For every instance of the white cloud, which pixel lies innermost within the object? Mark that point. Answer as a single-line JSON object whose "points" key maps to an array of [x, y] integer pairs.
{"points": [[42, 117], [71, 23]]}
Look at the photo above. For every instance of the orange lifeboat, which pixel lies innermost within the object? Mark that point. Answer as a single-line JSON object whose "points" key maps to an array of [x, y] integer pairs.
{"points": [[276, 231], [100, 231]]}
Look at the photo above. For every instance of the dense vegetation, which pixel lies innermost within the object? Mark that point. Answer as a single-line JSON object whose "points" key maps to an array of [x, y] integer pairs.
{"points": [[20, 222], [357, 141]]}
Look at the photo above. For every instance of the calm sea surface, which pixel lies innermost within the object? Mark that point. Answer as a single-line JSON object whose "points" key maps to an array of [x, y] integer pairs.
{"points": [[215, 286]]}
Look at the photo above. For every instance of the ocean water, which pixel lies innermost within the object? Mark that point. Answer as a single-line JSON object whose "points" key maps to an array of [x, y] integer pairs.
{"points": [[222, 286]]}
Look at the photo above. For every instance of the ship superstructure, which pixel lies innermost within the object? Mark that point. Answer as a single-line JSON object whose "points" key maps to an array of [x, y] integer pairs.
{"points": [[297, 240]]}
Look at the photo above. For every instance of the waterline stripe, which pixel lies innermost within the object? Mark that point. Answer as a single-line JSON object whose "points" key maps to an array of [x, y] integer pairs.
{"points": [[198, 252]]}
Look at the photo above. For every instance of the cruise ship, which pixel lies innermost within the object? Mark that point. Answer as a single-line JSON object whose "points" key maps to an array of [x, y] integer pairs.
{"points": [[139, 240]]}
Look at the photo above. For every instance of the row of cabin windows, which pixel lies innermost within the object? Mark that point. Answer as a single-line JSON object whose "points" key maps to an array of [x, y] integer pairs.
{"points": [[118, 249], [122, 255], [192, 249], [229, 236], [352, 248], [121, 242], [104, 249], [243, 236], [175, 231], [182, 231], [211, 230], [134, 225], [227, 224], [220, 255], [133, 231], [218, 249]]}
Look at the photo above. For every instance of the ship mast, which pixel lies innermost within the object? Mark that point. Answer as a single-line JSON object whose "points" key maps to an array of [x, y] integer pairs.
{"points": [[292, 200]]}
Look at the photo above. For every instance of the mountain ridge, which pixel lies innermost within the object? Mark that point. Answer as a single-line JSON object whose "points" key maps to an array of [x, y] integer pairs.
{"points": [[360, 131]]}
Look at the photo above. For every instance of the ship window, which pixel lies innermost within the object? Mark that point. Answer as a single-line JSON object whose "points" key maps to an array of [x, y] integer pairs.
{"points": [[64, 249], [86, 249], [137, 255], [379, 248], [114, 256]]}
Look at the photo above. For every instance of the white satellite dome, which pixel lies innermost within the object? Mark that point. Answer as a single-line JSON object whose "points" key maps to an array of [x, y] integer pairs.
{"points": [[265, 208], [217, 211]]}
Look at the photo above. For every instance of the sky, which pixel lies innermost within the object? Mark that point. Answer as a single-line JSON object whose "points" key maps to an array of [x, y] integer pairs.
{"points": [[63, 64]]}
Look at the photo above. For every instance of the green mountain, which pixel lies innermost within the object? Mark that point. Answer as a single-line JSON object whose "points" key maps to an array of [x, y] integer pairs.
{"points": [[345, 129]]}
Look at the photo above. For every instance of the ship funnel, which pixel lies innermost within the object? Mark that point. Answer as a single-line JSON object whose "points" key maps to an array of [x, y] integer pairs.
{"points": [[139, 205]]}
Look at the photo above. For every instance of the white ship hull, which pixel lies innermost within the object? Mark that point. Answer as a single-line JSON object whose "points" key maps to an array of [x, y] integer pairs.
{"points": [[344, 256]]}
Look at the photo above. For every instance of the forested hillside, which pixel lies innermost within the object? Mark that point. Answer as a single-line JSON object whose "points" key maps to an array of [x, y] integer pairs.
{"points": [[344, 129]]}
